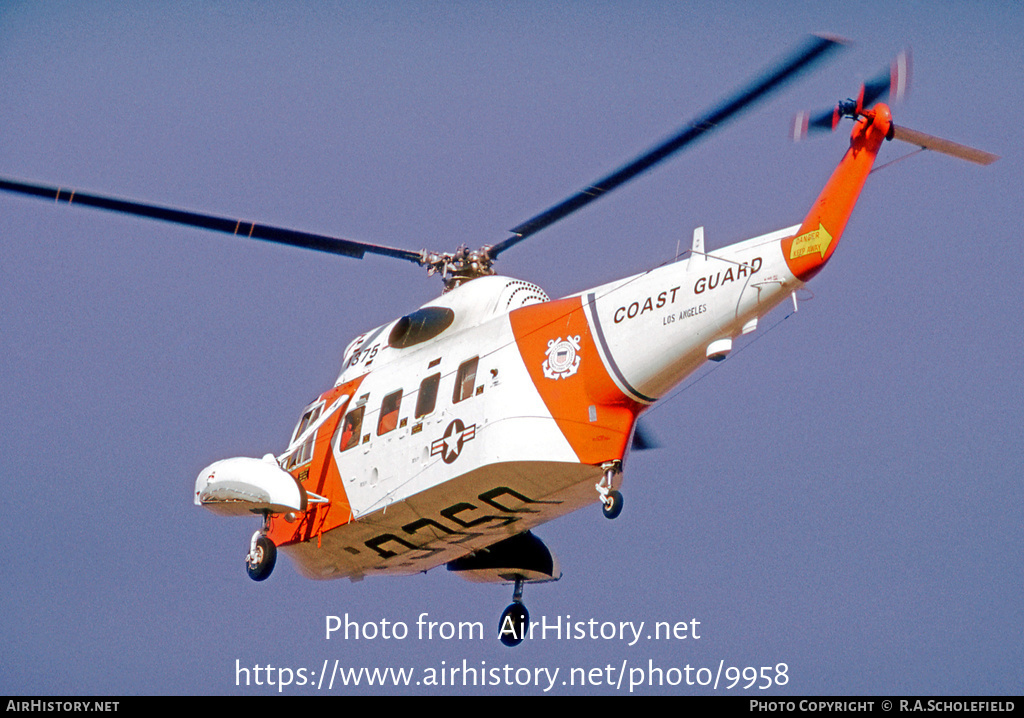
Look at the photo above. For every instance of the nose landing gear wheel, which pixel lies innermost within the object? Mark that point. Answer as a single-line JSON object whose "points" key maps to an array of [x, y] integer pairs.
{"points": [[261, 558], [612, 505]]}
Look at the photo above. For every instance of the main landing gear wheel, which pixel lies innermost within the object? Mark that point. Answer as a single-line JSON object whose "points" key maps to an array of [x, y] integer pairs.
{"points": [[515, 620], [261, 558], [612, 505], [611, 500]]}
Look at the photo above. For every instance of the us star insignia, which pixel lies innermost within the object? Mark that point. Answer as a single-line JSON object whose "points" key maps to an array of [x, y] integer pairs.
{"points": [[455, 437]]}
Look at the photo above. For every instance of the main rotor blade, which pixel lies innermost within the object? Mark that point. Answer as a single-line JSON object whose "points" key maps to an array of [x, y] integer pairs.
{"points": [[946, 147], [815, 49], [250, 230]]}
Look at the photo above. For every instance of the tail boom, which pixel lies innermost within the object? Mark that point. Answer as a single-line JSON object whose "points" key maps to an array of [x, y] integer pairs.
{"points": [[813, 245]]}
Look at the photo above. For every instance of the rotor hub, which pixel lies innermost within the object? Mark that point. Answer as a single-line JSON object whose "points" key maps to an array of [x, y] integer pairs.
{"points": [[459, 266]]}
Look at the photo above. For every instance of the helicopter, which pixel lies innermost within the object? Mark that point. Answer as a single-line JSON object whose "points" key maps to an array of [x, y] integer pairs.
{"points": [[384, 474]]}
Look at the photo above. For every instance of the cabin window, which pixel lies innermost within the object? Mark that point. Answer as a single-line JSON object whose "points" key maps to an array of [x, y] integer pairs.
{"points": [[465, 380], [351, 427], [305, 453], [427, 398], [389, 413]]}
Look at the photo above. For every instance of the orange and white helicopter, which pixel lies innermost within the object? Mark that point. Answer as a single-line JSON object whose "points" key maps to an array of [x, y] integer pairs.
{"points": [[454, 430]]}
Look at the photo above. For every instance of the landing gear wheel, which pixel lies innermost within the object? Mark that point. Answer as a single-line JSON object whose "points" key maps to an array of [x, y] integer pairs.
{"points": [[261, 558], [514, 623], [611, 500], [612, 505]]}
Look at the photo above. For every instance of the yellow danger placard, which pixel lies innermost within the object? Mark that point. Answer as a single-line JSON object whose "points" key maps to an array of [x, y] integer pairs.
{"points": [[816, 241]]}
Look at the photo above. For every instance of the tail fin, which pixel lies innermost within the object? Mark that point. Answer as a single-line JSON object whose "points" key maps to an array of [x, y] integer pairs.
{"points": [[813, 245]]}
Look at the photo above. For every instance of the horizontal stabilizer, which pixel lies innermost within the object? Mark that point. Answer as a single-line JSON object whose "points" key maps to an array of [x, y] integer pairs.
{"points": [[946, 147]]}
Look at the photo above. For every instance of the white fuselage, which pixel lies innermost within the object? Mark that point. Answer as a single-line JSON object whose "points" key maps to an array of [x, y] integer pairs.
{"points": [[524, 439]]}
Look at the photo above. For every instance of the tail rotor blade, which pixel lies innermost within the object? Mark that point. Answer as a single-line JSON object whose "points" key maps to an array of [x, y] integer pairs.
{"points": [[946, 147], [893, 82], [804, 123], [901, 75]]}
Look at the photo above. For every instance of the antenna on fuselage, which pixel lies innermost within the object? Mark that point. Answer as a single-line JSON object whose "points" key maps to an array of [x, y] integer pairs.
{"points": [[697, 248]]}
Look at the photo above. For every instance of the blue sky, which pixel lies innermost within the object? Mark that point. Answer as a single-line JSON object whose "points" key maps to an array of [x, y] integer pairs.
{"points": [[842, 496]]}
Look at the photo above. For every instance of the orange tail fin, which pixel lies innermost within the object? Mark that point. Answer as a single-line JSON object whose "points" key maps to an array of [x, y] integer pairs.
{"points": [[813, 245]]}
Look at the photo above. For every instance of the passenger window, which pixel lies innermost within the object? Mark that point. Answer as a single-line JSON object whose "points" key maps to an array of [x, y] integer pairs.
{"points": [[389, 413], [465, 380], [427, 398], [351, 428]]}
